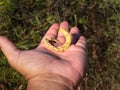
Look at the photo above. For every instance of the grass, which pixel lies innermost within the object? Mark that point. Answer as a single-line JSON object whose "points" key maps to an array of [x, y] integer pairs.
{"points": [[25, 22]]}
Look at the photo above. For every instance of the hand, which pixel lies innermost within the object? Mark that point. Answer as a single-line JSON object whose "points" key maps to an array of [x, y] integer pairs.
{"points": [[70, 64]]}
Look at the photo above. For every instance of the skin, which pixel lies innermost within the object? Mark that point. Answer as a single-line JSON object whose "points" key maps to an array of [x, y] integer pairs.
{"points": [[70, 64]]}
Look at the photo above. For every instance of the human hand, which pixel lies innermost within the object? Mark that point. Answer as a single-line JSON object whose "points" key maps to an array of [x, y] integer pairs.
{"points": [[70, 64]]}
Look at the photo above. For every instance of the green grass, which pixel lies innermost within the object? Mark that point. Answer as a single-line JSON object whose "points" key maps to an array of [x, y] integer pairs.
{"points": [[26, 21]]}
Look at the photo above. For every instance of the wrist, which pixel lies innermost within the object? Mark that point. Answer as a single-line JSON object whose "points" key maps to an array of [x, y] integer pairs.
{"points": [[50, 81]]}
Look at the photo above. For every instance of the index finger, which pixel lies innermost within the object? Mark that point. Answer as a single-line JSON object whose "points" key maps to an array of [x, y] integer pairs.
{"points": [[51, 33]]}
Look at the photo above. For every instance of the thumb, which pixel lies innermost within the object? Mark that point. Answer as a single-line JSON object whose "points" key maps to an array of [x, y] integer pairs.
{"points": [[9, 50]]}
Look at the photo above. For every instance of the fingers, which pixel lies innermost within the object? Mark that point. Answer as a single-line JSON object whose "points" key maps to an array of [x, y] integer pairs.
{"points": [[9, 50], [64, 25], [54, 33], [81, 42], [75, 34], [51, 33]]}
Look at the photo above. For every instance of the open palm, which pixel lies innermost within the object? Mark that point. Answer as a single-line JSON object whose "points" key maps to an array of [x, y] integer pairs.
{"points": [[70, 64]]}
